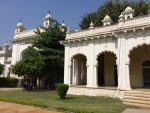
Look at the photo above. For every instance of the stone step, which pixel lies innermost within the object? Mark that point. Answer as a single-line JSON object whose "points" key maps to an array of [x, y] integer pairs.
{"points": [[147, 98], [137, 105], [137, 98], [136, 95], [139, 101], [138, 92]]}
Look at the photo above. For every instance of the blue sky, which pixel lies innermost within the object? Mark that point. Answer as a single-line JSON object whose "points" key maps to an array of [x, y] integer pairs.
{"points": [[33, 11]]}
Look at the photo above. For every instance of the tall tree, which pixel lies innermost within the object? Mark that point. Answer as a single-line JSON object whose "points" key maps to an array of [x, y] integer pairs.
{"points": [[31, 66], [1, 68], [49, 47], [113, 8]]}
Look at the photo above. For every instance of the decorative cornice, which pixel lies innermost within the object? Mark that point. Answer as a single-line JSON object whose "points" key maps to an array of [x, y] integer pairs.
{"points": [[22, 40], [97, 36], [138, 23]]}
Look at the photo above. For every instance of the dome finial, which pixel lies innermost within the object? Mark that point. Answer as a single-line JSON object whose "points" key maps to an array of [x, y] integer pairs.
{"points": [[49, 11], [63, 24], [20, 20], [107, 20], [91, 25]]}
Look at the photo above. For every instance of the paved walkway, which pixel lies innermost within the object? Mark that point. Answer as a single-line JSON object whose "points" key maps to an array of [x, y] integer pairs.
{"points": [[128, 110], [6, 107]]}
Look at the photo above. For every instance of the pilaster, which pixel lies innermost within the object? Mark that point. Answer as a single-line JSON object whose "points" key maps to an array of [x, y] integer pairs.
{"points": [[91, 67], [123, 65]]}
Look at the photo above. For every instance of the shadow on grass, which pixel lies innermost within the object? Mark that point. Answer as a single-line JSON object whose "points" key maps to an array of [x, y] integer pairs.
{"points": [[68, 98]]}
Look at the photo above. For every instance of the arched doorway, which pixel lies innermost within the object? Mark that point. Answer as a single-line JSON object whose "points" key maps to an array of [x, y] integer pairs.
{"points": [[146, 73], [140, 66], [107, 69], [79, 70]]}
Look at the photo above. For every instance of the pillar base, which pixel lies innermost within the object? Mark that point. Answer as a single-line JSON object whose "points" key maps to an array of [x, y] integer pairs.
{"points": [[92, 86], [125, 88]]}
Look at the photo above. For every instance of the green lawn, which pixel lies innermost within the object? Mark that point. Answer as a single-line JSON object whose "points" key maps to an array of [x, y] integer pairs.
{"points": [[76, 104]]}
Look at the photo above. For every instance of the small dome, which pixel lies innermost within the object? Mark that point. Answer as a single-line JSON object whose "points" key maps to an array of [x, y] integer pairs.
{"points": [[107, 18], [19, 24], [63, 24], [121, 16], [91, 25], [48, 16], [128, 9]]}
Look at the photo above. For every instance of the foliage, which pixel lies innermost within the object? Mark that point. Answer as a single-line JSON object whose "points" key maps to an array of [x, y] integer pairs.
{"points": [[8, 82], [113, 9], [31, 65], [1, 68], [50, 49], [76, 104], [62, 90]]}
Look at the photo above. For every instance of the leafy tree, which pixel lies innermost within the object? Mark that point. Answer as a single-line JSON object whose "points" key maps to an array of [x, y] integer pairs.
{"points": [[18, 69], [49, 47], [31, 66], [113, 9], [1, 68]]}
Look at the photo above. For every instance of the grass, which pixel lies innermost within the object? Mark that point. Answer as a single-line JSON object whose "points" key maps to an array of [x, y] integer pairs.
{"points": [[76, 104]]}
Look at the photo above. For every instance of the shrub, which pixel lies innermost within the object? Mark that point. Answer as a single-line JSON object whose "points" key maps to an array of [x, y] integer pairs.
{"points": [[8, 82], [62, 90]]}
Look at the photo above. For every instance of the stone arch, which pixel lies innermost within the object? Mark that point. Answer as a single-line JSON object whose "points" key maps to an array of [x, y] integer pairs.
{"points": [[136, 45], [137, 55], [110, 51], [107, 69], [22, 53], [78, 69]]}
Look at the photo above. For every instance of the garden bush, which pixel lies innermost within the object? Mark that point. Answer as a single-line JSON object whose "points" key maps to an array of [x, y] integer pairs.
{"points": [[8, 82], [62, 90]]}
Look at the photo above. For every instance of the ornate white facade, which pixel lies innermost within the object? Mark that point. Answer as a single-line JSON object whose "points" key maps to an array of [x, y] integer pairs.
{"points": [[22, 38], [113, 55]]}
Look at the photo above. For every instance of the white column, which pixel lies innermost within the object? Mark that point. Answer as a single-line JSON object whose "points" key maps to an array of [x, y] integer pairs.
{"points": [[69, 75], [66, 65], [91, 67], [123, 66], [75, 75], [95, 76], [89, 76]]}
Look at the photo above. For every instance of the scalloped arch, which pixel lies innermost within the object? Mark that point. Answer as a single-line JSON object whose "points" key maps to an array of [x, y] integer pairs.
{"points": [[137, 46], [109, 51], [76, 54]]}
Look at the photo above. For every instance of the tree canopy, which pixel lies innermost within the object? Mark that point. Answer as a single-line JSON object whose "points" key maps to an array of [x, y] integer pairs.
{"points": [[31, 64], [49, 47], [113, 8], [1, 68]]}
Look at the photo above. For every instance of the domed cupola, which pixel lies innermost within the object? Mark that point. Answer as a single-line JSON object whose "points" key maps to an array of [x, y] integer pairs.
{"points": [[107, 21], [128, 13], [63, 24], [48, 20], [19, 28]]}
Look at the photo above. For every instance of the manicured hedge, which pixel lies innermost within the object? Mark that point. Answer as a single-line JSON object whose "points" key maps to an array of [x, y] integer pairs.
{"points": [[62, 90], [8, 82]]}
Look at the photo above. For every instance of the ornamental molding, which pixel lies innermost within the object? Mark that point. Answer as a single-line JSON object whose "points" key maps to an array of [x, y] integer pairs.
{"points": [[131, 25], [26, 40]]}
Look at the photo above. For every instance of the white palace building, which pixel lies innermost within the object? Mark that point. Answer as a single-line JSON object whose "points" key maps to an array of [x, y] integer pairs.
{"points": [[111, 59], [108, 60], [22, 38]]}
